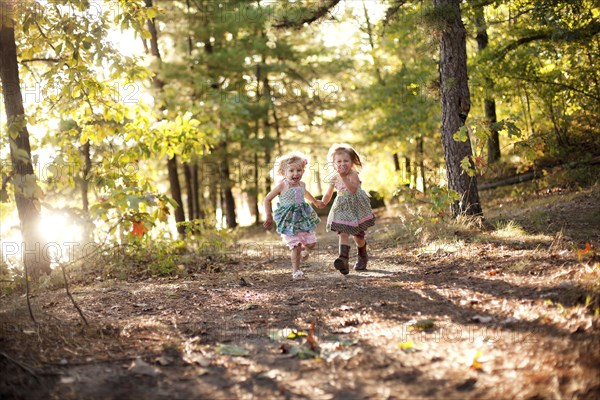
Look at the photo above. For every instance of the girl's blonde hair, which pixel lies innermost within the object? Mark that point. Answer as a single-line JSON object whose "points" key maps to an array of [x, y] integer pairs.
{"points": [[337, 148], [293, 157]]}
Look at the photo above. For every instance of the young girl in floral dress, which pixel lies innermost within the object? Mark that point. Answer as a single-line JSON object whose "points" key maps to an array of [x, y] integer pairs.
{"points": [[294, 217], [351, 212]]}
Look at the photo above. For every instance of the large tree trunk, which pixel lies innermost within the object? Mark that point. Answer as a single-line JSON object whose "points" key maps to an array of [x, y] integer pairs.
{"points": [[171, 163], [456, 105], [23, 178], [489, 103]]}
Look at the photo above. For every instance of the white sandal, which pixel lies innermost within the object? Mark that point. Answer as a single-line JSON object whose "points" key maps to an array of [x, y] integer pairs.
{"points": [[298, 275]]}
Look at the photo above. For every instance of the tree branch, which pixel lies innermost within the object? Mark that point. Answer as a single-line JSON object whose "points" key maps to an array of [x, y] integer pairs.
{"points": [[586, 32], [520, 78], [55, 60], [318, 14], [391, 12], [23, 366]]}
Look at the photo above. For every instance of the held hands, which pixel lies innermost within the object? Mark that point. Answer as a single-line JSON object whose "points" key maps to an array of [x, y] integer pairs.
{"points": [[320, 204]]}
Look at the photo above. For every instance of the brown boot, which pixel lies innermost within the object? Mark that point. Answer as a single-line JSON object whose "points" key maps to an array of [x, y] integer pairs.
{"points": [[341, 263], [361, 261]]}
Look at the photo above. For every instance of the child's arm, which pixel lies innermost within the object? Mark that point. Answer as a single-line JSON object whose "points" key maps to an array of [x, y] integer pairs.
{"points": [[310, 197], [328, 194], [351, 180], [267, 203]]}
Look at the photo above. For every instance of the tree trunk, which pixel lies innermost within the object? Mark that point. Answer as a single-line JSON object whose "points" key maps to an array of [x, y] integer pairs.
{"points": [[456, 104], [228, 199], [187, 173], [421, 161], [210, 170], [256, 190], [396, 162], [24, 180], [198, 192], [171, 163], [176, 193], [85, 179], [489, 103]]}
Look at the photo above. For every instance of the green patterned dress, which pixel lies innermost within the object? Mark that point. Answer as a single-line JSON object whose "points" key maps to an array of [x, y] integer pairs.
{"points": [[293, 214]]}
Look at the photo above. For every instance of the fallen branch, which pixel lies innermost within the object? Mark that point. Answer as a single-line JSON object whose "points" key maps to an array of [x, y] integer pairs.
{"points": [[71, 297], [21, 365], [531, 175], [527, 176]]}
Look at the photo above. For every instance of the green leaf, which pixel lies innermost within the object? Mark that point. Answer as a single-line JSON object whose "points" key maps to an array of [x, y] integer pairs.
{"points": [[424, 325], [302, 353], [232, 350], [467, 166], [462, 135]]}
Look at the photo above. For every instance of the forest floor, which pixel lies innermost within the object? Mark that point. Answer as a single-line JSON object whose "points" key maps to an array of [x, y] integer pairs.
{"points": [[444, 311]]}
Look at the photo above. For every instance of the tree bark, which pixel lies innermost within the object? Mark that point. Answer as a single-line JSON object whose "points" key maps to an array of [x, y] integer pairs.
{"points": [[198, 192], [176, 193], [187, 173], [228, 199], [493, 144], [456, 104], [396, 162], [421, 161], [85, 179], [172, 169], [24, 180]]}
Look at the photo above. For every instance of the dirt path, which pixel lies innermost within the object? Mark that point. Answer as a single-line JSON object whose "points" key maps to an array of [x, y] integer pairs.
{"points": [[482, 316]]}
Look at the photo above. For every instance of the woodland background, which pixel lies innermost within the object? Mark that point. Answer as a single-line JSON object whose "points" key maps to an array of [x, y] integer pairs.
{"points": [[138, 124]]}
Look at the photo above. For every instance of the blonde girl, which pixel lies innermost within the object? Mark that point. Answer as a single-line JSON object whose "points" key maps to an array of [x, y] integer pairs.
{"points": [[295, 218], [351, 213]]}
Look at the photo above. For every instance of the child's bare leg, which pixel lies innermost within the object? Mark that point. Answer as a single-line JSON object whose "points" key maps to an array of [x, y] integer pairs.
{"points": [[344, 239], [360, 241], [306, 248], [295, 256]]}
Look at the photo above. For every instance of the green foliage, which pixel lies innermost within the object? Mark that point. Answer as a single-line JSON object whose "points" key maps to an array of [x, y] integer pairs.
{"points": [[479, 131], [442, 199]]}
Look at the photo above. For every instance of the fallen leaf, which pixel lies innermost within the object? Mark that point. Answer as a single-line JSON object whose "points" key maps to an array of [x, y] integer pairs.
{"points": [[482, 319], [164, 360], [407, 347], [302, 353], [424, 325], [232, 350], [587, 249], [195, 358], [67, 379], [140, 367], [474, 362]]}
